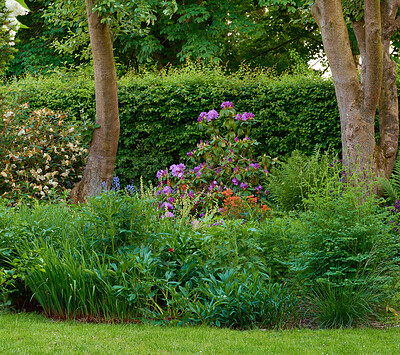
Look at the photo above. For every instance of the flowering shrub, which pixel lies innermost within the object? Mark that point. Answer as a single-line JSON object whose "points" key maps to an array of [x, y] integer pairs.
{"points": [[223, 163], [236, 207], [40, 153]]}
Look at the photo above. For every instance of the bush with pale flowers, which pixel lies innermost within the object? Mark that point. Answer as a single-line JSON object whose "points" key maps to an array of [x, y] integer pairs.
{"points": [[42, 154]]}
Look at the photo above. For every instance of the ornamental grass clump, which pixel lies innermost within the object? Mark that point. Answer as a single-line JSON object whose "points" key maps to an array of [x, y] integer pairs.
{"points": [[223, 163], [41, 154]]}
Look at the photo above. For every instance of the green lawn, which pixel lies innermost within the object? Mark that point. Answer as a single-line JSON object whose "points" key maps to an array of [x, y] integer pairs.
{"points": [[34, 334]]}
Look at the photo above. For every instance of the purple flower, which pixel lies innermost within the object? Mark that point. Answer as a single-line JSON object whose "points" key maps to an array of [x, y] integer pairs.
{"points": [[236, 139], [246, 138], [213, 184], [178, 170], [189, 154], [212, 115], [168, 215], [191, 194], [167, 205], [196, 223], [247, 116], [235, 169], [266, 171], [162, 173], [171, 200], [115, 184], [202, 214], [227, 104], [235, 181], [255, 165], [130, 189], [201, 116], [258, 188], [167, 190], [243, 186], [238, 117]]}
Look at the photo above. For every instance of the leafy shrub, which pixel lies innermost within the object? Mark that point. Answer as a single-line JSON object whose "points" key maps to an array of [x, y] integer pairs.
{"points": [[222, 165], [242, 300], [345, 232], [41, 152], [292, 181]]}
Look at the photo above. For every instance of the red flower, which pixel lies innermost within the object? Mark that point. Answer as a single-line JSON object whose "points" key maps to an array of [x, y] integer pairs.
{"points": [[170, 250]]}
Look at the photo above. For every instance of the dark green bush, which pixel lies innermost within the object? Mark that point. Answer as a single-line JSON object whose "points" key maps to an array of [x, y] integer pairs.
{"points": [[158, 112]]}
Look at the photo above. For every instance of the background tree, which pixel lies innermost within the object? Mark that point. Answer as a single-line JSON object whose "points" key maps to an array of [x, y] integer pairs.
{"points": [[9, 25], [101, 16], [104, 144], [35, 52], [374, 22], [358, 99], [229, 32]]}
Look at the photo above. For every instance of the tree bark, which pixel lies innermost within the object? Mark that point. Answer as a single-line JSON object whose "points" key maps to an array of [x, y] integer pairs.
{"points": [[104, 144], [357, 99]]}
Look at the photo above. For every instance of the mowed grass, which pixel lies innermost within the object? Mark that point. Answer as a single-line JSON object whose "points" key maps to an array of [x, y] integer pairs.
{"points": [[34, 334]]}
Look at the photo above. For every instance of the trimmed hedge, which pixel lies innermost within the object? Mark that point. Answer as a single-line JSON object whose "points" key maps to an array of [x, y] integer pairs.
{"points": [[159, 112]]}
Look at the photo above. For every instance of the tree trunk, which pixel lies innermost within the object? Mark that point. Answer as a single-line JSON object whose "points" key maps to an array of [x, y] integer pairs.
{"points": [[358, 100], [104, 144]]}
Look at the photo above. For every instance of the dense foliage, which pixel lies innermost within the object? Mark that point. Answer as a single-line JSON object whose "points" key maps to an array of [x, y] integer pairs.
{"points": [[159, 113], [42, 154]]}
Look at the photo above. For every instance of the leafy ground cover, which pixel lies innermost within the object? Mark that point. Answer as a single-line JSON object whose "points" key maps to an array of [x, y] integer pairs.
{"points": [[33, 334]]}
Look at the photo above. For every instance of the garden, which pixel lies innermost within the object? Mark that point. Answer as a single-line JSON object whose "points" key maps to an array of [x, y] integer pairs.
{"points": [[193, 184], [224, 238]]}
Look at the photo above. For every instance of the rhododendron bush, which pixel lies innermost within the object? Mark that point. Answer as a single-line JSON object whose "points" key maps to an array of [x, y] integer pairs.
{"points": [[221, 172], [41, 154]]}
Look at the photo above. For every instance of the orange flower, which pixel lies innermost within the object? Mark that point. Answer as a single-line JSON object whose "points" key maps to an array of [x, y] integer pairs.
{"points": [[227, 192], [265, 208], [184, 187]]}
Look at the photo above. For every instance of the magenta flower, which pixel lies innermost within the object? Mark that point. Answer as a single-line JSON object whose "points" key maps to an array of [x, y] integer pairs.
{"points": [[238, 117], [213, 184], [247, 116], [212, 115], [167, 190], [202, 116], [166, 205], [243, 186], [167, 215], [236, 139], [255, 165], [258, 188], [162, 173], [227, 104], [178, 170], [235, 181]]}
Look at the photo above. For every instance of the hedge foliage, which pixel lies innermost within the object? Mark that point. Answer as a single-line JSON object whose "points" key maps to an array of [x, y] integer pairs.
{"points": [[158, 113]]}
